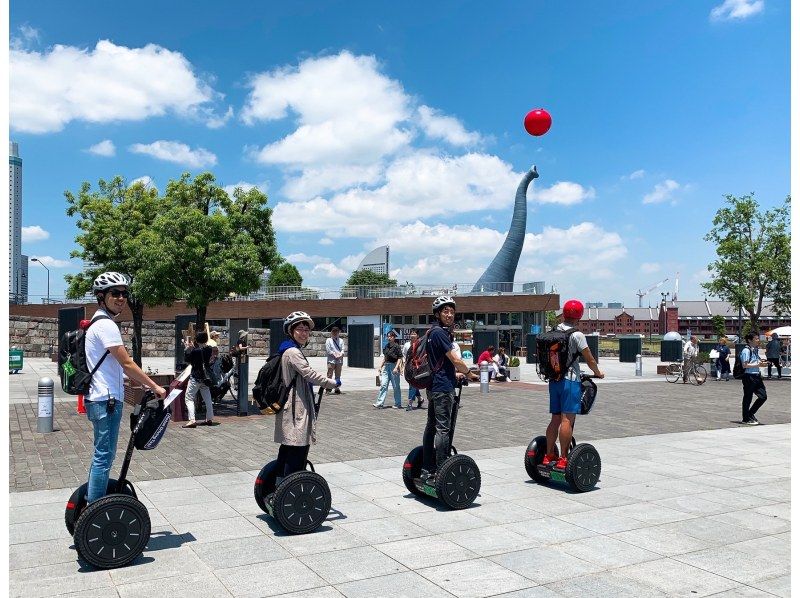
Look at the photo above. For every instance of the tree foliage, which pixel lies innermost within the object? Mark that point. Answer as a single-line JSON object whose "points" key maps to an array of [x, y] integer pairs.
{"points": [[718, 325], [753, 264], [285, 275], [370, 278]]}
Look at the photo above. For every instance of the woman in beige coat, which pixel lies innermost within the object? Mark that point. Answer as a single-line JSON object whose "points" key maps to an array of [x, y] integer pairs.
{"points": [[295, 425]]}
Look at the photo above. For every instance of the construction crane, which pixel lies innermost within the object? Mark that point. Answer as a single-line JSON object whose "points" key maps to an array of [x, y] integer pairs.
{"points": [[640, 293]]}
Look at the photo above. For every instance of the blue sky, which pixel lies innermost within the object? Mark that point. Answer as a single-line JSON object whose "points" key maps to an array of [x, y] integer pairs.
{"points": [[401, 123]]}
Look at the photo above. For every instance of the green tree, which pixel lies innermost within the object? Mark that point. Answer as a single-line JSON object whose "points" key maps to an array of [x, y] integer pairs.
{"points": [[552, 319], [369, 278], [753, 262], [112, 221], [206, 244], [718, 325], [285, 275]]}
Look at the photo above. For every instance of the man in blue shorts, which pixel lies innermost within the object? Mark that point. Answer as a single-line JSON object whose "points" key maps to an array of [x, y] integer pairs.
{"points": [[565, 394]]}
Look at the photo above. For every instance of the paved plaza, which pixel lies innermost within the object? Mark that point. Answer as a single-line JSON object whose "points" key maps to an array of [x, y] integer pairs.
{"points": [[689, 503]]}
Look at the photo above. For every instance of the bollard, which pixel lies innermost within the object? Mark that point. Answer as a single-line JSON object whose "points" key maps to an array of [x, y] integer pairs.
{"points": [[45, 421], [484, 367], [638, 364], [241, 394]]}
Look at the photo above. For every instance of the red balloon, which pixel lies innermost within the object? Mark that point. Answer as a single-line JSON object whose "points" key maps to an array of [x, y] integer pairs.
{"points": [[538, 121], [84, 324]]}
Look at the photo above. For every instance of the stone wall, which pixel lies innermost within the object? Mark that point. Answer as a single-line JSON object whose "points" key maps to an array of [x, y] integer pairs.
{"points": [[37, 336]]}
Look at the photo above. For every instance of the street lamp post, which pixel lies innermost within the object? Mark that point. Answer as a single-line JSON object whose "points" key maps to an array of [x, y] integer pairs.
{"points": [[38, 261]]}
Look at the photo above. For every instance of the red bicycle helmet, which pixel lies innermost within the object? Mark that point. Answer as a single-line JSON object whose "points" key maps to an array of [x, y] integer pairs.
{"points": [[573, 310]]}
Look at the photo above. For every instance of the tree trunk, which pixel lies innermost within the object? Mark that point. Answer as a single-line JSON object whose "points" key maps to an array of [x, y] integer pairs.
{"points": [[200, 319], [137, 309]]}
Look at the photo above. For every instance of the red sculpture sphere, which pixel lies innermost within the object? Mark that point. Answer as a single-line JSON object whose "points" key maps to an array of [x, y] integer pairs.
{"points": [[538, 121], [84, 324]]}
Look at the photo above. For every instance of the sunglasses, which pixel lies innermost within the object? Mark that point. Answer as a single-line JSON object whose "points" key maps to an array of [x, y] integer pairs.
{"points": [[116, 293]]}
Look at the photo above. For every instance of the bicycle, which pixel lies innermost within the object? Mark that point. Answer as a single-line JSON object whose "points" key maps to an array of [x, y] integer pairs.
{"points": [[697, 373]]}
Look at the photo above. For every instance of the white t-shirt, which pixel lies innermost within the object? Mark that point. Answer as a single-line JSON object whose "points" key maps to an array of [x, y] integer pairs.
{"points": [[577, 343], [107, 380]]}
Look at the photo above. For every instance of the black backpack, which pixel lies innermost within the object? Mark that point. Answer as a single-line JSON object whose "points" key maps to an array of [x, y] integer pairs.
{"points": [[73, 368], [269, 391], [552, 352], [738, 368], [417, 369]]}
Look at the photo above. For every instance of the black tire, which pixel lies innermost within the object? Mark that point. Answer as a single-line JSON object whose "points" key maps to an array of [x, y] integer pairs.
{"points": [[77, 502], [674, 372], [112, 531], [302, 502], [412, 467], [265, 484], [458, 482], [534, 455], [583, 468]]}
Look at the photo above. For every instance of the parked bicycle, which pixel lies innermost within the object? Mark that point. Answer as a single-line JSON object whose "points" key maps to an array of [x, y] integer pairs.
{"points": [[697, 373]]}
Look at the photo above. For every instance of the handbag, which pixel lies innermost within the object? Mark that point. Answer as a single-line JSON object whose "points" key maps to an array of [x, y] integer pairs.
{"points": [[377, 380]]}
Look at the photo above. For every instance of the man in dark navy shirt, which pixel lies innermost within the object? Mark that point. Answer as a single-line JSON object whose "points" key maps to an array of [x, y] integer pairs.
{"points": [[444, 362]]}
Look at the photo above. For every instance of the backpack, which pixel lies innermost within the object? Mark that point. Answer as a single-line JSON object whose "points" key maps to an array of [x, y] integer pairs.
{"points": [[738, 368], [73, 369], [552, 350], [417, 369], [269, 391]]}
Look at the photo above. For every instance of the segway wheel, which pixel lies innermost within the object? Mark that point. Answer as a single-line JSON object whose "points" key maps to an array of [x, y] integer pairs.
{"points": [[302, 502], [534, 455], [77, 502], [112, 531], [583, 468], [458, 482], [265, 484], [412, 468]]}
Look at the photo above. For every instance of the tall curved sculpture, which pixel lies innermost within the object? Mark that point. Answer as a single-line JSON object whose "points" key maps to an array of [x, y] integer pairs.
{"points": [[499, 276]]}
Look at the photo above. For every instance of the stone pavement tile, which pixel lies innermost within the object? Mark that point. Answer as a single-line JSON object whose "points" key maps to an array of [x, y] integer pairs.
{"points": [[605, 584], [227, 479], [488, 541], [352, 564], [233, 491], [188, 496], [509, 474], [39, 497], [52, 580], [239, 551], [779, 490], [438, 522], [403, 504], [244, 506], [650, 513], [781, 510], [369, 465], [630, 472], [644, 491], [381, 489], [712, 481], [778, 586], [41, 512], [326, 469], [716, 533], [391, 474], [179, 515], [758, 474], [598, 499], [743, 591], [534, 592], [778, 545], [327, 538], [400, 585], [677, 579], [491, 465], [341, 496], [554, 501], [269, 579], [104, 593], [417, 553], [693, 505], [362, 510], [603, 521], [39, 554], [347, 480], [607, 552], [219, 529], [505, 512], [662, 540], [160, 564], [36, 531], [195, 584], [549, 530], [378, 531], [683, 486], [758, 522], [324, 592], [736, 564], [475, 578], [545, 566], [168, 485]]}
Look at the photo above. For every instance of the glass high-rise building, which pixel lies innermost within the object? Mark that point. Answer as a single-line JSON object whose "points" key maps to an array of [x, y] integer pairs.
{"points": [[17, 271]]}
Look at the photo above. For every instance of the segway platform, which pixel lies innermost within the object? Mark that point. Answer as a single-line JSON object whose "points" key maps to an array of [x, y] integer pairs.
{"points": [[581, 473]]}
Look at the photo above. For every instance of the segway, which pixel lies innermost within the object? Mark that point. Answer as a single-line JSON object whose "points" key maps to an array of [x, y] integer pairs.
{"points": [[301, 502], [583, 464], [113, 531], [458, 480]]}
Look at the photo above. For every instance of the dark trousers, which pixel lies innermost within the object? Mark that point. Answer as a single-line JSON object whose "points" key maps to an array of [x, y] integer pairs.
{"points": [[776, 361], [291, 459], [752, 385], [437, 430]]}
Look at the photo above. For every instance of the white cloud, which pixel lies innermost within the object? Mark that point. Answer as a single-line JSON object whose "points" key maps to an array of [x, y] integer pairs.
{"points": [[31, 234], [144, 180], [109, 83], [263, 186], [650, 267], [563, 192], [105, 148], [316, 180], [448, 128], [731, 10], [26, 36], [325, 241], [636, 174], [174, 151], [663, 191], [217, 122], [328, 270], [302, 258], [52, 262]]}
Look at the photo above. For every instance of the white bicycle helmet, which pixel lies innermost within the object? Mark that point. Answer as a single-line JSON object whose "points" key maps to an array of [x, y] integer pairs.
{"points": [[440, 302], [295, 318], [106, 280]]}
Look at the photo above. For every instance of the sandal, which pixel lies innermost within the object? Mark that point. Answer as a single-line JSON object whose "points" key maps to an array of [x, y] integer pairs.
{"points": [[191, 424]]}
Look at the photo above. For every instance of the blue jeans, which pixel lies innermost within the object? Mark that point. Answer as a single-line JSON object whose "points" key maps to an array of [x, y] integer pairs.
{"points": [[387, 376], [413, 393], [106, 433]]}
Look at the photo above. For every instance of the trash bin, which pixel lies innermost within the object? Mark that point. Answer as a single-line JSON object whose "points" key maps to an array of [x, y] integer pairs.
{"points": [[629, 348], [671, 350], [14, 360], [593, 341]]}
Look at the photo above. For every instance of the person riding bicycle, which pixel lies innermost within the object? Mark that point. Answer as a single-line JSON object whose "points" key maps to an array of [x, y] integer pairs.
{"points": [[690, 351], [565, 394], [296, 424], [444, 362]]}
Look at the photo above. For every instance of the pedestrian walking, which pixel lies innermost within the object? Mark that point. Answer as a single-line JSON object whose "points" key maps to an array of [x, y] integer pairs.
{"points": [[690, 351], [723, 365], [752, 384], [390, 372], [773, 350], [413, 393], [199, 358], [334, 349]]}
